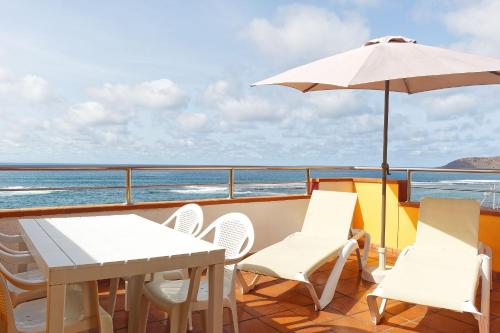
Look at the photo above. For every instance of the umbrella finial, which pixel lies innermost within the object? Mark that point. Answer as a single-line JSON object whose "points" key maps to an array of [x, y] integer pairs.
{"points": [[390, 39]]}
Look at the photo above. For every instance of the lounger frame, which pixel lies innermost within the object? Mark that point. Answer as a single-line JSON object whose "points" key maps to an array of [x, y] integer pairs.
{"points": [[485, 275], [326, 298]]}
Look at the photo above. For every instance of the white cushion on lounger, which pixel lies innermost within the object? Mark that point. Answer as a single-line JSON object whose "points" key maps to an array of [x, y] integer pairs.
{"points": [[324, 232], [299, 254], [436, 280], [442, 268]]}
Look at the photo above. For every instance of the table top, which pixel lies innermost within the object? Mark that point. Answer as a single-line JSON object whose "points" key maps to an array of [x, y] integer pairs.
{"points": [[92, 242]]}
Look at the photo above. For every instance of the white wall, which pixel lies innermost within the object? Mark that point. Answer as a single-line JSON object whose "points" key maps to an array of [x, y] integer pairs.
{"points": [[272, 220]]}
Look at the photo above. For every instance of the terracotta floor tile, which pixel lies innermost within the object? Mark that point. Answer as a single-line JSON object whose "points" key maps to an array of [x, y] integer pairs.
{"points": [[465, 317], [351, 325], [278, 305], [406, 310], [388, 321], [254, 326], [445, 324], [495, 308], [347, 306]]}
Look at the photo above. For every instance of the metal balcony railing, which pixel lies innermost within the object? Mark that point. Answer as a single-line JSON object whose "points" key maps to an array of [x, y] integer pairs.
{"points": [[490, 193]]}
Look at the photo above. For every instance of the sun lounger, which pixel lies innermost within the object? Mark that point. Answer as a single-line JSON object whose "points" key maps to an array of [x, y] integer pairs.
{"points": [[442, 269], [326, 234]]}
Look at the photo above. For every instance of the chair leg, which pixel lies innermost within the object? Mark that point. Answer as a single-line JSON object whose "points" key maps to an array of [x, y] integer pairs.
{"points": [[143, 314], [190, 320], [113, 291], [125, 303], [234, 313], [175, 319]]}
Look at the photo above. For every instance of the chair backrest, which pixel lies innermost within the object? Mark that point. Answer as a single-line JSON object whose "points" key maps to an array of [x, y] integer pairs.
{"points": [[448, 226], [330, 214], [6, 311], [231, 232], [187, 219]]}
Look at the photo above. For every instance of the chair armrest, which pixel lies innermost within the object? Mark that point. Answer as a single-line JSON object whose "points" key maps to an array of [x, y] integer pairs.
{"points": [[17, 259], [16, 239], [12, 251], [20, 282], [169, 220]]}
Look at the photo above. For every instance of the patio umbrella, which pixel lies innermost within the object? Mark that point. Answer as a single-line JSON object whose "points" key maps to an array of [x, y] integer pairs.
{"points": [[391, 63]]}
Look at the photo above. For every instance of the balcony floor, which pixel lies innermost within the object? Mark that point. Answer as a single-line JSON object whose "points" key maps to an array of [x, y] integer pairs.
{"points": [[277, 305]]}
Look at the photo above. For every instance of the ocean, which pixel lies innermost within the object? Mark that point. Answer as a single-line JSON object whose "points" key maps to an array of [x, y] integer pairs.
{"points": [[68, 188]]}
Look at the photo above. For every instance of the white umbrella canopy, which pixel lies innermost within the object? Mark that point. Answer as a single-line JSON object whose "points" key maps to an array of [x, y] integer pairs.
{"points": [[410, 67], [391, 63]]}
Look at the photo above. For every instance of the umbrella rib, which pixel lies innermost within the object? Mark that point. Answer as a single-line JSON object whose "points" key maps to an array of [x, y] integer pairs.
{"points": [[311, 87], [406, 85]]}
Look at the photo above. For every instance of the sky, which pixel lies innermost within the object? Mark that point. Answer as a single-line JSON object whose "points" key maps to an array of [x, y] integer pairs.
{"points": [[168, 82]]}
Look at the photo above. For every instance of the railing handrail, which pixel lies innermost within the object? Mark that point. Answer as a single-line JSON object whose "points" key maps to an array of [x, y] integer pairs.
{"points": [[129, 168], [109, 167]]}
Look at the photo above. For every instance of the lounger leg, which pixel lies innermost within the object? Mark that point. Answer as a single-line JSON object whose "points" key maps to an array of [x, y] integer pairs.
{"points": [[333, 279], [245, 288], [314, 295], [376, 312], [360, 264], [484, 318]]}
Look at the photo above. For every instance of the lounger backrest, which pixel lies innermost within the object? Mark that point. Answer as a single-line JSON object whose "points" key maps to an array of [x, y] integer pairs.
{"points": [[330, 214], [448, 226]]}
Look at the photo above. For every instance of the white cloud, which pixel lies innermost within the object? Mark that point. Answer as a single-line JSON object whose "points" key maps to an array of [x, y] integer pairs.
{"points": [[338, 104], [478, 22], [300, 32], [95, 114], [191, 121], [160, 94], [90, 123], [449, 107], [236, 106], [28, 88]]}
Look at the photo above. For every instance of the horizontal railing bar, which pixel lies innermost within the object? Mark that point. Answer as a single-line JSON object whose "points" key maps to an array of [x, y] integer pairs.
{"points": [[226, 167], [456, 189], [71, 188], [178, 185]]}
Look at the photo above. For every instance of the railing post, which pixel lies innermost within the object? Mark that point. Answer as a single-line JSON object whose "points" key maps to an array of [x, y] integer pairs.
{"points": [[308, 181], [128, 186], [231, 183], [408, 184]]}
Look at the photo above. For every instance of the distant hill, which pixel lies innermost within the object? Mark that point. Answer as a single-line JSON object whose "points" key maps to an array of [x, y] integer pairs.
{"points": [[475, 163]]}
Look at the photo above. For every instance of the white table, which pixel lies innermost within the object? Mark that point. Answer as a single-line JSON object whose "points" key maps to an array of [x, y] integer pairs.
{"points": [[79, 249]]}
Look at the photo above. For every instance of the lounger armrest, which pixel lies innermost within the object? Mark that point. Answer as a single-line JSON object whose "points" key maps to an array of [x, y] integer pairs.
{"points": [[484, 249], [357, 234]]}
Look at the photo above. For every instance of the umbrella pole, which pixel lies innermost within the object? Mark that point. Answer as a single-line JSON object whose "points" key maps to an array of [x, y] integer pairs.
{"points": [[374, 273], [385, 172]]}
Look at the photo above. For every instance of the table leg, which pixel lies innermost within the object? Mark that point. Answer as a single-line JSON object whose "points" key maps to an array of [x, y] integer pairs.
{"points": [[56, 297], [134, 296], [215, 290]]}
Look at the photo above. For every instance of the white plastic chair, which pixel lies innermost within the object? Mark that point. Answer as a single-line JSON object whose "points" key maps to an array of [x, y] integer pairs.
{"points": [[20, 295], [174, 297], [82, 310], [11, 239], [231, 231], [187, 219]]}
